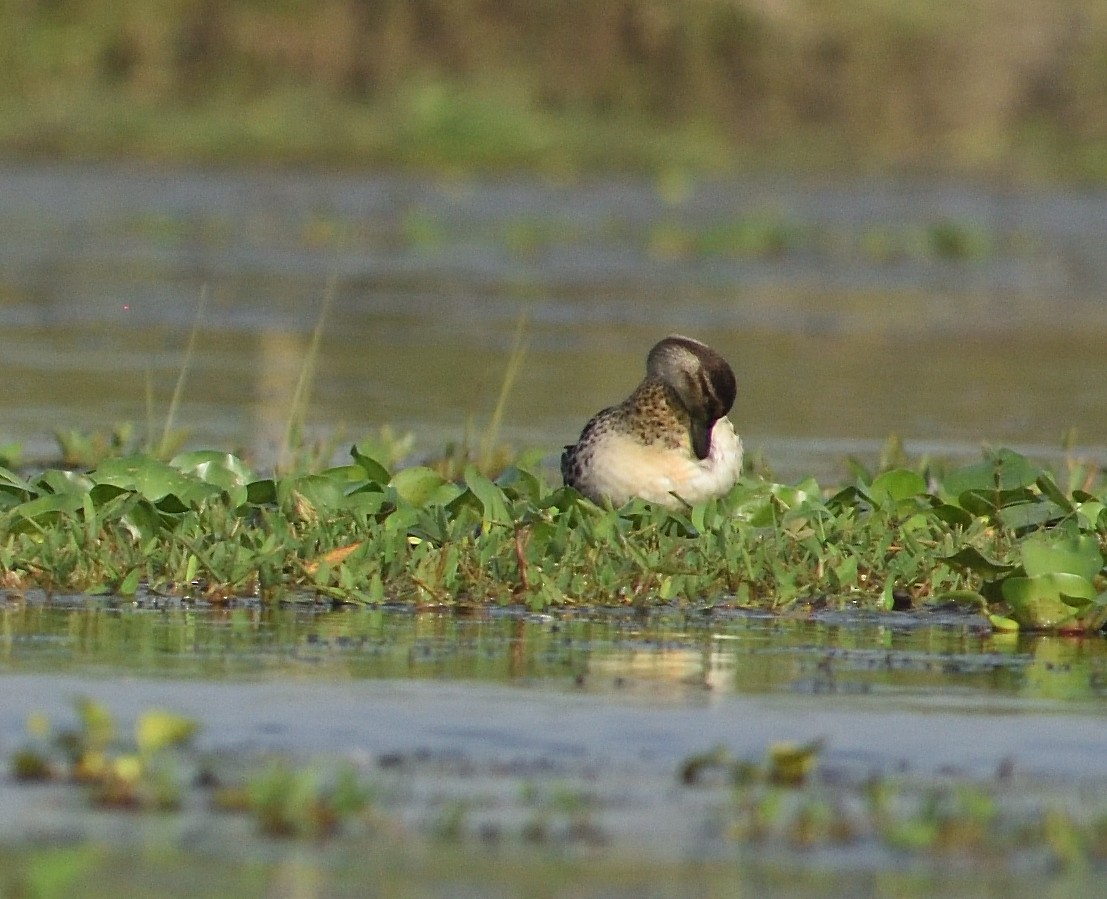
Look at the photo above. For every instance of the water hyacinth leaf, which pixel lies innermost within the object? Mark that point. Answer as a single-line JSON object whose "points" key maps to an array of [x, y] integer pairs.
{"points": [[790, 764], [1053, 493], [986, 503], [1071, 553], [1073, 590], [261, 493], [1036, 602], [12, 482], [417, 485], [365, 502], [897, 484], [490, 496], [955, 516], [224, 470], [50, 506], [346, 475], [54, 481], [142, 520], [1029, 515], [148, 477], [964, 598], [171, 504], [314, 491], [520, 482], [97, 724], [971, 559], [1089, 513], [101, 494], [1003, 624], [373, 469], [1004, 470]]}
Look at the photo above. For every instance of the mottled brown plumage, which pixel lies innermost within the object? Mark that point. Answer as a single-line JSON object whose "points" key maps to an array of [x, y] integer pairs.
{"points": [[670, 440]]}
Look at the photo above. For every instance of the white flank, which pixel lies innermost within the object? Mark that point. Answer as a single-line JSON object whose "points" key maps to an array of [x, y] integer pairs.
{"points": [[623, 468]]}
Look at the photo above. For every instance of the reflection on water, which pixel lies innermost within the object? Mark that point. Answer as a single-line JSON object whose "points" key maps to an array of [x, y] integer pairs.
{"points": [[667, 656], [949, 314]]}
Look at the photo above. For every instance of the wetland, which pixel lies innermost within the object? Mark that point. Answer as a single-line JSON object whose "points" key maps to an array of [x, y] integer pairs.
{"points": [[916, 622]]}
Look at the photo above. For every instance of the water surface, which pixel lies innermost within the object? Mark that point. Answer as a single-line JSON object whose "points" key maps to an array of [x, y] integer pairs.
{"points": [[947, 313], [668, 655]]}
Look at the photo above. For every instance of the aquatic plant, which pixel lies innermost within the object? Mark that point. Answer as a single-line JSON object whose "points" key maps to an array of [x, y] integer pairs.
{"points": [[140, 776], [904, 815], [1001, 535]]}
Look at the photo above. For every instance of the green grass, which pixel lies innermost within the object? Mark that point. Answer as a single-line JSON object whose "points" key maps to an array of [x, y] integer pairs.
{"points": [[1003, 535]]}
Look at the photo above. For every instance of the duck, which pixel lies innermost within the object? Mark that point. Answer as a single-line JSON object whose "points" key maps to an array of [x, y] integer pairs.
{"points": [[670, 442]]}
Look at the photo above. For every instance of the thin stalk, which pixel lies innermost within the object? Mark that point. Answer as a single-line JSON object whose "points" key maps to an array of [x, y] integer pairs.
{"points": [[304, 383], [514, 364], [182, 375]]}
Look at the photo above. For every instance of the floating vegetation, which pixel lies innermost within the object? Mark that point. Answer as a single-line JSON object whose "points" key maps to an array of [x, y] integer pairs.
{"points": [[143, 775], [950, 817], [1002, 535], [305, 802], [151, 774]]}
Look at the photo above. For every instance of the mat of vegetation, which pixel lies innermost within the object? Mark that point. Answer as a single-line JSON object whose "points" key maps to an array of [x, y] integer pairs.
{"points": [[1001, 534], [989, 86]]}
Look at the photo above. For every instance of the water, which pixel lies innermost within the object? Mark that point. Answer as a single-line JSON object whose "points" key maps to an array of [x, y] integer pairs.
{"points": [[950, 314], [668, 656], [556, 739], [860, 323]]}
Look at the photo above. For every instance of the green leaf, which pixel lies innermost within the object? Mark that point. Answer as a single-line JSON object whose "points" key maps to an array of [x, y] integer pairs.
{"points": [[157, 729], [897, 484], [964, 598], [1003, 624], [1036, 602], [52, 504], [955, 516], [490, 496], [373, 469], [10, 479], [64, 482], [224, 470], [142, 519], [1069, 553], [971, 559], [261, 493], [154, 480], [1024, 515], [1052, 492], [129, 584], [1005, 470], [417, 485]]}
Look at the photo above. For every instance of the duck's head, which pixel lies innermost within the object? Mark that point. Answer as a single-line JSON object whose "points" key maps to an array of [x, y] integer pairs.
{"points": [[701, 379]]}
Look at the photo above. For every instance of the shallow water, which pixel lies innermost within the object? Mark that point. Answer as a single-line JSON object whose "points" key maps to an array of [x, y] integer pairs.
{"points": [[488, 724], [950, 314], [860, 326], [668, 656]]}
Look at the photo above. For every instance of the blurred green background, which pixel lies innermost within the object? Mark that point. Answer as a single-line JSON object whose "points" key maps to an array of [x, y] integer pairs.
{"points": [[1014, 89]]}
